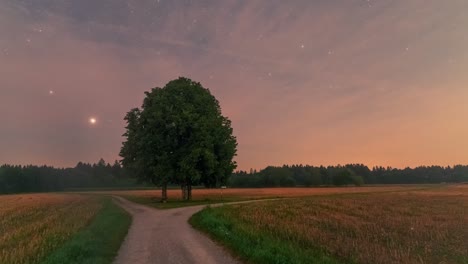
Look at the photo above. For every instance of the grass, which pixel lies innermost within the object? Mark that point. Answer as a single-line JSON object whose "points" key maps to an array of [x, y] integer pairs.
{"points": [[60, 228], [414, 226], [99, 242], [34, 225], [156, 203], [252, 246], [214, 196]]}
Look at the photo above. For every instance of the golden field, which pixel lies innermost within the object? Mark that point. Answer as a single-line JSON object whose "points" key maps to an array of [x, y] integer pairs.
{"points": [[426, 226], [258, 193], [33, 225], [391, 224]]}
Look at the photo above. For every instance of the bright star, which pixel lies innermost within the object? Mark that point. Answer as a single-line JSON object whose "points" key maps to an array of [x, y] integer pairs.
{"points": [[92, 120]]}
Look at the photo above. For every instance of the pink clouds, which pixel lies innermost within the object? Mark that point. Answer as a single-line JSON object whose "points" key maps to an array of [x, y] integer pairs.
{"points": [[352, 94]]}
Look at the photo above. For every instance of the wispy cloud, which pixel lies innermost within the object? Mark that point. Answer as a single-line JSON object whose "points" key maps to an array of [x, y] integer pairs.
{"points": [[308, 82]]}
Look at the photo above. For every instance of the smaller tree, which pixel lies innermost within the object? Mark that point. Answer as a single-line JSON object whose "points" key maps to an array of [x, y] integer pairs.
{"points": [[358, 180], [345, 176]]}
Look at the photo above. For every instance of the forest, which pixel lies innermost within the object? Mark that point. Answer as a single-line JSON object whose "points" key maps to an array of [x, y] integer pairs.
{"points": [[351, 174], [27, 179], [21, 179]]}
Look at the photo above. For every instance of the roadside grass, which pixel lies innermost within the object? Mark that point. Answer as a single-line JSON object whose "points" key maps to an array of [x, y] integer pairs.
{"points": [[215, 196], [427, 226], [176, 203], [34, 225], [255, 246], [99, 242]]}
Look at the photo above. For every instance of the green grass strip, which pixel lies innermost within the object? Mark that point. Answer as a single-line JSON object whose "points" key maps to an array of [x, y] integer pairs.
{"points": [[97, 243], [177, 203], [254, 246]]}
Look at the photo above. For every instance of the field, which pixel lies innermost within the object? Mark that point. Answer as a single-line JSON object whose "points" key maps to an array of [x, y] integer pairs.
{"points": [[210, 196], [33, 225], [413, 226], [391, 224], [53, 228]]}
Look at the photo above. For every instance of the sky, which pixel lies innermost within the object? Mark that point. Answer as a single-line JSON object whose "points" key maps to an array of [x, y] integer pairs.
{"points": [[319, 82]]}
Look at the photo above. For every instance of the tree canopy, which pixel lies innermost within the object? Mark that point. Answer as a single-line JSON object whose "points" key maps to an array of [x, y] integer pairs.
{"points": [[179, 136]]}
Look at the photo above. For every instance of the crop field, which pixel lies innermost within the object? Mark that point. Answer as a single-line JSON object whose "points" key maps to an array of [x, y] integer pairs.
{"points": [[207, 196], [34, 225], [424, 226]]}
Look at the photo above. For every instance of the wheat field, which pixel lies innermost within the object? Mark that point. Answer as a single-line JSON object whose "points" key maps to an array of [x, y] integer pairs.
{"points": [[33, 225], [259, 193], [427, 226]]}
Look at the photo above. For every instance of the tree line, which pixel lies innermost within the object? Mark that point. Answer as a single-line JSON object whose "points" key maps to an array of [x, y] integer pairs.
{"points": [[351, 174], [20, 179]]}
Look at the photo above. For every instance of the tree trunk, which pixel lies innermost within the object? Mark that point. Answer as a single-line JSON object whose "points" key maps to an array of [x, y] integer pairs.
{"points": [[164, 193], [189, 192], [184, 192]]}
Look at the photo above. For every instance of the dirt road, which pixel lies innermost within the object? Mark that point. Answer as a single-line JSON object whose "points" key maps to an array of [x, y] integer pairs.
{"points": [[165, 236]]}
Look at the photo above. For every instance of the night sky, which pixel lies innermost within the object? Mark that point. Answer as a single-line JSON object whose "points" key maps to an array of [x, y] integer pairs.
{"points": [[378, 82]]}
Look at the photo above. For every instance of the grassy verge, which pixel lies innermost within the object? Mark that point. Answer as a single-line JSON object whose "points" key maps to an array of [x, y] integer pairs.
{"points": [[97, 243], [156, 203], [255, 246]]}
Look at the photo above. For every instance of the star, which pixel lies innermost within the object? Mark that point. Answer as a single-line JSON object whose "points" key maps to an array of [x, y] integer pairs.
{"points": [[51, 92], [302, 46], [92, 120]]}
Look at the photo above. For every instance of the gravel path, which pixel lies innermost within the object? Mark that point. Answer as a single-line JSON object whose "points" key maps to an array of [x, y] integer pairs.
{"points": [[165, 236]]}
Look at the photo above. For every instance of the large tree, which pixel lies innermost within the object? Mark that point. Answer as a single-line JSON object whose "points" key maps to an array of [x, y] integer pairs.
{"points": [[179, 136]]}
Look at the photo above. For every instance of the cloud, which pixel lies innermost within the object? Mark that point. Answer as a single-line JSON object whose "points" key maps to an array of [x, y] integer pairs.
{"points": [[367, 80]]}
